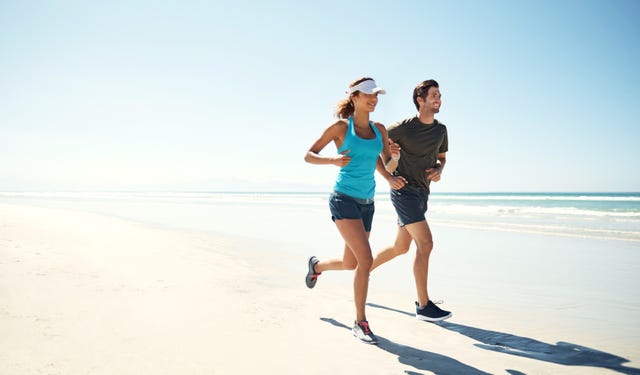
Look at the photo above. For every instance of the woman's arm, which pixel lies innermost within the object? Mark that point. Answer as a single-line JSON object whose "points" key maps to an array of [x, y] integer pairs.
{"points": [[388, 160], [335, 132], [390, 150]]}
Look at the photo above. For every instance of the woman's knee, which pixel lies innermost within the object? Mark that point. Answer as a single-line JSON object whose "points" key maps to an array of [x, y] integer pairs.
{"points": [[425, 247], [349, 265], [365, 261]]}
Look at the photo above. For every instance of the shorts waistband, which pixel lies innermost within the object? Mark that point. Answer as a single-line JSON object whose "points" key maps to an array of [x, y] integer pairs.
{"points": [[357, 200], [416, 188]]}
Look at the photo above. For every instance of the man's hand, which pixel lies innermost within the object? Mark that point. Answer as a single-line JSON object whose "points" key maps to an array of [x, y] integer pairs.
{"points": [[433, 174], [397, 182]]}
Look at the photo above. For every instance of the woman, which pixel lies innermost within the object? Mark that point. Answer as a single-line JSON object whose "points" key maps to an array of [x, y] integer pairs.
{"points": [[360, 143]]}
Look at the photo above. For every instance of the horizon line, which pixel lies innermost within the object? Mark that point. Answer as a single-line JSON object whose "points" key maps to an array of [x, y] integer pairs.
{"points": [[226, 191]]}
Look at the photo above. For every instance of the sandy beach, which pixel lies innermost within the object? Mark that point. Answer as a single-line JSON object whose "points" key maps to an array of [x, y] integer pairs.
{"points": [[88, 293]]}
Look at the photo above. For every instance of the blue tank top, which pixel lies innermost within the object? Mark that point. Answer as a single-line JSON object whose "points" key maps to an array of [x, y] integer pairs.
{"points": [[356, 179]]}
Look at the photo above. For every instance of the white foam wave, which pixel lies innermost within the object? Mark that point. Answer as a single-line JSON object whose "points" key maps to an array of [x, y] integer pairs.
{"points": [[315, 199], [556, 230], [507, 197], [462, 209]]}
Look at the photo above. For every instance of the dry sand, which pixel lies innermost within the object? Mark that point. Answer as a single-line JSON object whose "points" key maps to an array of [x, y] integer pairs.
{"points": [[88, 294]]}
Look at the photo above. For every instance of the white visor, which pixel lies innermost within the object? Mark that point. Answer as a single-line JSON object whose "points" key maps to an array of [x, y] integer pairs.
{"points": [[368, 87]]}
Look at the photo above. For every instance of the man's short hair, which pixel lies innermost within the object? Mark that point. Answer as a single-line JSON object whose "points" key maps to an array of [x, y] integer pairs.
{"points": [[422, 89]]}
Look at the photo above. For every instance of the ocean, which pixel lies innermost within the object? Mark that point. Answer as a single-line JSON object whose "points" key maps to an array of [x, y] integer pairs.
{"points": [[605, 216]]}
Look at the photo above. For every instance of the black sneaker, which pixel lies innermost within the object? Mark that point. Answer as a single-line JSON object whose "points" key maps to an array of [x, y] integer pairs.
{"points": [[431, 313], [312, 276], [362, 331]]}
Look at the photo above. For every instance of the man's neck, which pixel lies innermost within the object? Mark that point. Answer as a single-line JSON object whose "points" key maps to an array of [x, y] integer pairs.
{"points": [[426, 118]]}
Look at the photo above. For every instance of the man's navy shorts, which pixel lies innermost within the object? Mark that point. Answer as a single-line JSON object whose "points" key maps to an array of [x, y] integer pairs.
{"points": [[411, 204]]}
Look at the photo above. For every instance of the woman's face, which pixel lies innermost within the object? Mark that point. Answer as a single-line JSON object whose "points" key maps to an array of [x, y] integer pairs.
{"points": [[365, 102]]}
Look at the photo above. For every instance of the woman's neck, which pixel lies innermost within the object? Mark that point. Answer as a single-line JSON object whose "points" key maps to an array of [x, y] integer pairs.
{"points": [[361, 119]]}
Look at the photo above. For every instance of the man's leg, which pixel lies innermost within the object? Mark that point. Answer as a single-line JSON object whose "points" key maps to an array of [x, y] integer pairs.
{"points": [[421, 234], [425, 309], [401, 246]]}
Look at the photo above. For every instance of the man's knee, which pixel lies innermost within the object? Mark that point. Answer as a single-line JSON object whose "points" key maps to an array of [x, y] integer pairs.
{"points": [[400, 250]]}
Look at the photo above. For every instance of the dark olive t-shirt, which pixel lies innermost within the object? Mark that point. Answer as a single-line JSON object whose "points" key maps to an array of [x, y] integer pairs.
{"points": [[420, 145]]}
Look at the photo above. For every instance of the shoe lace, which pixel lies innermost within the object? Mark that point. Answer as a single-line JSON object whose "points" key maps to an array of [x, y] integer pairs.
{"points": [[365, 327], [438, 302]]}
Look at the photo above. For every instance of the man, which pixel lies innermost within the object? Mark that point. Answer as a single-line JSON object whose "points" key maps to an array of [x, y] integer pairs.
{"points": [[423, 143]]}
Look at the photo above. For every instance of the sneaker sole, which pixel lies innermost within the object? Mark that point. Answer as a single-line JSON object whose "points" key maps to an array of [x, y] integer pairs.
{"points": [[375, 342], [427, 319], [310, 282]]}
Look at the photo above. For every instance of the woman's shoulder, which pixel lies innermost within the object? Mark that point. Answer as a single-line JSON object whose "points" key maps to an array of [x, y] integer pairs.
{"points": [[341, 122], [339, 125], [380, 126]]}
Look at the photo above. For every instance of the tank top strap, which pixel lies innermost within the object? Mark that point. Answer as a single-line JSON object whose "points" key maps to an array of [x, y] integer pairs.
{"points": [[375, 130], [352, 131]]}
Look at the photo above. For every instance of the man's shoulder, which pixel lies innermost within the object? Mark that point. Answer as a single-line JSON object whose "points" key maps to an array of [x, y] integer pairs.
{"points": [[442, 129], [402, 123], [439, 123]]}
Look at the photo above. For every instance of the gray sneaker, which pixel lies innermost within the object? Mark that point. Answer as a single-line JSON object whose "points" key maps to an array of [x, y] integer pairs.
{"points": [[431, 313], [312, 276], [362, 331]]}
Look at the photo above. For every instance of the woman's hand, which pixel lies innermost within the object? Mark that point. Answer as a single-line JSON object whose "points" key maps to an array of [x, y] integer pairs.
{"points": [[342, 159]]}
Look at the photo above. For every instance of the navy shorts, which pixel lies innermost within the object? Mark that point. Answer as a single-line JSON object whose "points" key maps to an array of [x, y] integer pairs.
{"points": [[410, 203], [343, 206]]}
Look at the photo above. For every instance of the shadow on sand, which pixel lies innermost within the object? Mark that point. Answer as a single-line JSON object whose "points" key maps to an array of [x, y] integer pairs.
{"points": [[419, 359], [562, 353]]}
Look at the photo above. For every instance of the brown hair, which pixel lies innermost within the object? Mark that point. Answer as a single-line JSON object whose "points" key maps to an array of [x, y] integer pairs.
{"points": [[345, 107], [422, 89]]}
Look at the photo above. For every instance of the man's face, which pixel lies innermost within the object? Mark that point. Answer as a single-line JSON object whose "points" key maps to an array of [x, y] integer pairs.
{"points": [[432, 101]]}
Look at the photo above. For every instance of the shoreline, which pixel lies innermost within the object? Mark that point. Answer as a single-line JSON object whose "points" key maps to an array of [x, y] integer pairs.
{"points": [[580, 215], [97, 294]]}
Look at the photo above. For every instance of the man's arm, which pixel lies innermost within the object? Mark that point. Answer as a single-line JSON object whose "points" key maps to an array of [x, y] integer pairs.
{"points": [[442, 160], [396, 182], [434, 174]]}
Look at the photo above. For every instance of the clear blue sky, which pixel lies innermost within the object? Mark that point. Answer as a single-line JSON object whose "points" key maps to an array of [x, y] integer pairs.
{"points": [[229, 95]]}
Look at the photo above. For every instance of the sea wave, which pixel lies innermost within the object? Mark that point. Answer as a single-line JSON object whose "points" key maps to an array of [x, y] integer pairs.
{"points": [[449, 203], [605, 221], [633, 197], [462, 209], [556, 230]]}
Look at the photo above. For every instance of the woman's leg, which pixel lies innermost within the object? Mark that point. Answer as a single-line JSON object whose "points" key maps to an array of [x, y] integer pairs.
{"points": [[357, 241], [348, 262]]}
